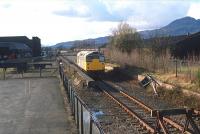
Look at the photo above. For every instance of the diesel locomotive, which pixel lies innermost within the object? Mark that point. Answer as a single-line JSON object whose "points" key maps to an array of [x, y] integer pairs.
{"points": [[91, 61]]}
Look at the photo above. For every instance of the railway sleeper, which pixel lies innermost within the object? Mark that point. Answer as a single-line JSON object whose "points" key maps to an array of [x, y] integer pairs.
{"points": [[149, 118], [125, 100], [134, 122], [142, 132], [152, 123], [140, 125], [120, 96], [105, 123], [145, 132], [118, 111], [139, 111], [131, 131], [133, 106], [143, 115], [130, 104], [140, 129], [152, 119], [131, 119], [174, 132], [118, 114], [171, 129]]}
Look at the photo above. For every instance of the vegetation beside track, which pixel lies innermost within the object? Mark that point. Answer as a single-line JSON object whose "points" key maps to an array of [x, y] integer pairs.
{"points": [[181, 81], [154, 56], [175, 97]]}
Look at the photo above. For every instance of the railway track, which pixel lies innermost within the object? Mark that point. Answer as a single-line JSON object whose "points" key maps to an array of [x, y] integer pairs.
{"points": [[175, 118], [143, 119], [141, 113]]}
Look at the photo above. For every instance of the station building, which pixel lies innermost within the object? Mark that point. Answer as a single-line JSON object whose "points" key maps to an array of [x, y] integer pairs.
{"points": [[12, 47]]}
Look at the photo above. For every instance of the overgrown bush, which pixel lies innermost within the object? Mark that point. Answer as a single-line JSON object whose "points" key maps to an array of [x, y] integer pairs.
{"points": [[198, 77], [177, 98]]}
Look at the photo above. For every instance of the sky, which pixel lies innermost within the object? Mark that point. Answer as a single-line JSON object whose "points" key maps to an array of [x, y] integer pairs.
{"points": [[55, 21]]}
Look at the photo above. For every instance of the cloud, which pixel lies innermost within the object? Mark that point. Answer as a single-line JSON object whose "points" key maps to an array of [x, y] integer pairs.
{"points": [[194, 10], [142, 14], [92, 10], [148, 14], [62, 20], [6, 5], [73, 9]]}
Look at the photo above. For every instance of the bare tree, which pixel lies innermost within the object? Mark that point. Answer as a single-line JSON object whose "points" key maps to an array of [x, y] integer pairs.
{"points": [[125, 38]]}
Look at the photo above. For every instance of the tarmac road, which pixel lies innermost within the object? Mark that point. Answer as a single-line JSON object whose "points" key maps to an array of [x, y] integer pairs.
{"points": [[33, 106]]}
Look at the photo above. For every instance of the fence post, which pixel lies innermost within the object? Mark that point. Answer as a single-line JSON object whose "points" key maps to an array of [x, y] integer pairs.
{"points": [[40, 71], [4, 73], [176, 67], [22, 73]]}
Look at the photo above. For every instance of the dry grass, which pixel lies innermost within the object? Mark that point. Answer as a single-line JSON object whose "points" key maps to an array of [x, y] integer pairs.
{"points": [[162, 66], [142, 58], [177, 98], [181, 81]]}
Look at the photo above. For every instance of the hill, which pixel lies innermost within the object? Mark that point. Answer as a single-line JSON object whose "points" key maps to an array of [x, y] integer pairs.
{"points": [[96, 42], [178, 27], [181, 26]]}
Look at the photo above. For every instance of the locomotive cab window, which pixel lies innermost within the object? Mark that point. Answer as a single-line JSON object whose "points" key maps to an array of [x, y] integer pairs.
{"points": [[95, 56], [89, 58], [101, 58]]}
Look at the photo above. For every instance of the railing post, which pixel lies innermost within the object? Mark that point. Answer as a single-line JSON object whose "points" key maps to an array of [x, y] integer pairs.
{"points": [[40, 71], [4, 73], [91, 121]]}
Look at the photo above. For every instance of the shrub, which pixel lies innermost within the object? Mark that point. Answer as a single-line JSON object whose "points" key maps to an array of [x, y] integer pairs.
{"points": [[198, 77]]}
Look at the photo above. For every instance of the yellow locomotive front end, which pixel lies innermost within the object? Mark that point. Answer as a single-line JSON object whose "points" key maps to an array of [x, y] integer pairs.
{"points": [[95, 62]]}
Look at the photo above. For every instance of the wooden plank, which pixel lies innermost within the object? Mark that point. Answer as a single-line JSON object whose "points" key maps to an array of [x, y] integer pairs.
{"points": [[168, 112]]}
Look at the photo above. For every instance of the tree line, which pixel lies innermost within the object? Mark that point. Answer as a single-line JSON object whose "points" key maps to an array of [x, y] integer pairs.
{"points": [[126, 39]]}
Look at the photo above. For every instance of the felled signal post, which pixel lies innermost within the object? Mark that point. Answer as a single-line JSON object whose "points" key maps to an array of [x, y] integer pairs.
{"points": [[148, 79]]}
